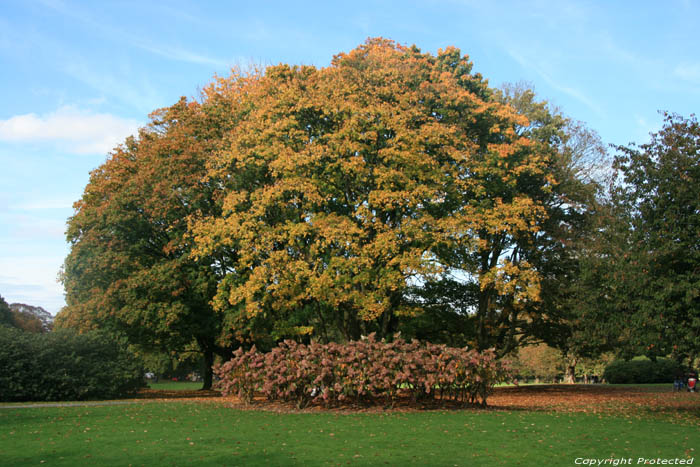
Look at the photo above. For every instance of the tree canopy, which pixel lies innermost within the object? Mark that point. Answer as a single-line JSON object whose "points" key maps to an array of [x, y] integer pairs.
{"points": [[392, 190], [658, 200], [342, 186], [463, 302]]}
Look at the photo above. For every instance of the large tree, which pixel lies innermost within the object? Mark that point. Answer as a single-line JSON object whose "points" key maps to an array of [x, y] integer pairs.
{"points": [[343, 186], [129, 268], [658, 278], [313, 202]]}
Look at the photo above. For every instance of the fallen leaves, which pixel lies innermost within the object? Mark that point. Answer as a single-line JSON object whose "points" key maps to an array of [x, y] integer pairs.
{"points": [[627, 401], [633, 403]]}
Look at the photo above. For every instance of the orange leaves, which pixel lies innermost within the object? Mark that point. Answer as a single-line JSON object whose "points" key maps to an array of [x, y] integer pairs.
{"points": [[304, 188], [518, 281], [338, 182]]}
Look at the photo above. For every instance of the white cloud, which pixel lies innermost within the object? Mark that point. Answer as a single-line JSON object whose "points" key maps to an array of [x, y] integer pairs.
{"points": [[32, 280], [79, 131], [688, 71]]}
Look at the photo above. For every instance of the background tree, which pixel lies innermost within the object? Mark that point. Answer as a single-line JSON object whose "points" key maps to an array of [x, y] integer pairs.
{"points": [[343, 185], [567, 320], [31, 318], [129, 268], [539, 362], [25, 317], [5, 313], [658, 200]]}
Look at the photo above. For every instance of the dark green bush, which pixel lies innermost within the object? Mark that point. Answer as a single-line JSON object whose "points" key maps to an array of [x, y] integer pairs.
{"points": [[64, 365], [641, 371]]}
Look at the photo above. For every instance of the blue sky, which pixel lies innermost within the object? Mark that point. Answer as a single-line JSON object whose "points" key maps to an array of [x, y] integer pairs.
{"points": [[78, 77]]}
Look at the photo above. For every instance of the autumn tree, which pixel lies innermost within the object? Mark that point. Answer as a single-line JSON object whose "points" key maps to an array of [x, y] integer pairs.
{"points": [[25, 317], [129, 269], [658, 264], [329, 203], [31, 318], [538, 362], [343, 186], [569, 316], [536, 262]]}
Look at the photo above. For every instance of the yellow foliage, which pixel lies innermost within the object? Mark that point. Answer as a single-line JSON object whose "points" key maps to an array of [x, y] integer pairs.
{"points": [[337, 184]]}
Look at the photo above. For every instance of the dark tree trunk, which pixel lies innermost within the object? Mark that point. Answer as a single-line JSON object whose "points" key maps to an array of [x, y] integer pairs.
{"points": [[351, 325], [208, 372]]}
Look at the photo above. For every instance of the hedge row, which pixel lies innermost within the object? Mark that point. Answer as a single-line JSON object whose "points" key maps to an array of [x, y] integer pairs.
{"points": [[363, 371], [641, 371], [64, 365]]}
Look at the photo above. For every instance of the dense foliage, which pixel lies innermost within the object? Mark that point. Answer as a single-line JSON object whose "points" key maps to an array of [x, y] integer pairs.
{"points": [[393, 190], [64, 365], [305, 202], [365, 370], [344, 186], [458, 307], [129, 267], [652, 277], [5, 313], [642, 371]]}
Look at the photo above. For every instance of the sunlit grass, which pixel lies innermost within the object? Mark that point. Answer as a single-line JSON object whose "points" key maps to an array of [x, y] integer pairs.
{"points": [[176, 385], [212, 434]]}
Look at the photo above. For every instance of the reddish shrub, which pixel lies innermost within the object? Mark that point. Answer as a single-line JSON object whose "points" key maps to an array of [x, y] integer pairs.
{"points": [[364, 371]]}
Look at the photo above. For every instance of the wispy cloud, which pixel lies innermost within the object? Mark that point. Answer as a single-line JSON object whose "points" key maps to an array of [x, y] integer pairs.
{"points": [[547, 78], [170, 52], [180, 54], [75, 130], [137, 94], [688, 72]]}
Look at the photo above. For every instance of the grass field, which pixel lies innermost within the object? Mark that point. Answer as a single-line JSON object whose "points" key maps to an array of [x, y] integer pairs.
{"points": [[215, 433], [175, 386]]}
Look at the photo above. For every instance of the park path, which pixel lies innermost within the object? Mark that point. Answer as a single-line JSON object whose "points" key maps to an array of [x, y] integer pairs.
{"points": [[73, 404]]}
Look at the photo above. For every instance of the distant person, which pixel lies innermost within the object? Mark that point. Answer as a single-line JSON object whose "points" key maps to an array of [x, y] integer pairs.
{"points": [[692, 381], [678, 382]]}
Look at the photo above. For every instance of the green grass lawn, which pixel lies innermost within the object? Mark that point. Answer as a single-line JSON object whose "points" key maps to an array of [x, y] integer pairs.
{"points": [[175, 385], [185, 433]]}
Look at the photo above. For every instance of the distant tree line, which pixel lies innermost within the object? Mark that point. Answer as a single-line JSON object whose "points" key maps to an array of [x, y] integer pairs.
{"points": [[26, 317]]}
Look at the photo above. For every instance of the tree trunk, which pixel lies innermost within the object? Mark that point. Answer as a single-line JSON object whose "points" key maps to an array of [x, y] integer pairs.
{"points": [[208, 371], [570, 376], [351, 325]]}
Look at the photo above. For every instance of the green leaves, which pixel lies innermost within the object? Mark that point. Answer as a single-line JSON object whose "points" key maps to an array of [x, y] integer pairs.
{"points": [[659, 201], [63, 365], [129, 268]]}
